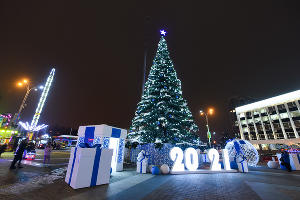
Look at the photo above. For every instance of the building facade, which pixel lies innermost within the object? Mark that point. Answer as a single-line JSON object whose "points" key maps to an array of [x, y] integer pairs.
{"points": [[271, 121]]}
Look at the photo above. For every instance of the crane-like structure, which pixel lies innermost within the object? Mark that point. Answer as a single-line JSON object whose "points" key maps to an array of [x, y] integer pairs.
{"points": [[33, 126]]}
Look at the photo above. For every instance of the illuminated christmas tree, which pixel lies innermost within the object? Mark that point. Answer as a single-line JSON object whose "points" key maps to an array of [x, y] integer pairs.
{"points": [[162, 115]]}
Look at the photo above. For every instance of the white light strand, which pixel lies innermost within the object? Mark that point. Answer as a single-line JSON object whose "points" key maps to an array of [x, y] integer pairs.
{"points": [[30, 128], [42, 100]]}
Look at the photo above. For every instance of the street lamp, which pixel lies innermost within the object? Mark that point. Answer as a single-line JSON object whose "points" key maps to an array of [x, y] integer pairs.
{"points": [[210, 112], [25, 83]]}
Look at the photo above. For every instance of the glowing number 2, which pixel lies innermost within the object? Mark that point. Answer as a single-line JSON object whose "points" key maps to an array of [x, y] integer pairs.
{"points": [[213, 156], [176, 155]]}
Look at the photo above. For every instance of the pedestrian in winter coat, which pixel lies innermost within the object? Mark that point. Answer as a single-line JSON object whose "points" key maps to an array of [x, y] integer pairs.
{"points": [[19, 154], [47, 152], [285, 160]]}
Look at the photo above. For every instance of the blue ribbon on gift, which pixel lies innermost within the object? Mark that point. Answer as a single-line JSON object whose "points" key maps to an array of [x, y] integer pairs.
{"points": [[74, 158], [144, 156], [89, 135], [244, 158], [115, 133], [96, 166], [237, 147]]}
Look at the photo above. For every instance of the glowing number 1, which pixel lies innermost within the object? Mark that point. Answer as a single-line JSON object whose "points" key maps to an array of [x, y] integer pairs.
{"points": [[226, 162]]}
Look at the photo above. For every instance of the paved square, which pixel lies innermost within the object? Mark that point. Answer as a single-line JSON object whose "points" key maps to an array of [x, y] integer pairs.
{"points": [[47, 182]]}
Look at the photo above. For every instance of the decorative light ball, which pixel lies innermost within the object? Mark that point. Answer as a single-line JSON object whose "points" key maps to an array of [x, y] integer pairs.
{"points": [[155, 170], [239, 149], [164, 169]]}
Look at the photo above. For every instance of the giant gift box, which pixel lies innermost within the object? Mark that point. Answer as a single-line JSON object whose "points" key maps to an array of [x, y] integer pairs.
{"points": [[109, 137], [88, 167]]}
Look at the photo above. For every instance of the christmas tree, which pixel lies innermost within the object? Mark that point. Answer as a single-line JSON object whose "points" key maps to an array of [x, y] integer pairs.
{"points": [[162, 114]]}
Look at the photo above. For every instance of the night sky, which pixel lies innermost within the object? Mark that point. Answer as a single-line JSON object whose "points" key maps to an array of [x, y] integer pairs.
{"points": [[220, 49]]}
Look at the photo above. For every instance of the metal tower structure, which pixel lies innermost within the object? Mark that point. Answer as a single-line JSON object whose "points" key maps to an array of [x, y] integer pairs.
{"points": [[33, 126]]}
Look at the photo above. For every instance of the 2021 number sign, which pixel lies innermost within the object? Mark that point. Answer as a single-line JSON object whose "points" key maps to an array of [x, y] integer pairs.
{"points": [[191, 161]]}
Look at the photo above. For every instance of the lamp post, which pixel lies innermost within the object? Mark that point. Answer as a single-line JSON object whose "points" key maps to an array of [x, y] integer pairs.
{"points": [[210, 112], [23, 104]]}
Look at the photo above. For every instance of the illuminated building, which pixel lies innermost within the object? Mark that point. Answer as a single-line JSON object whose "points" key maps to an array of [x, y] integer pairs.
{"points": [[271, 121]]}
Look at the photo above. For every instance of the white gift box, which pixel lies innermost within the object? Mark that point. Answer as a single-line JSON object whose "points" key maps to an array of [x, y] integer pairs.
{"points": [[142, 162], [295, 162], [204, 158], [88, 167], [243, 166], [109, 137], [104, 130], [141, 167]]}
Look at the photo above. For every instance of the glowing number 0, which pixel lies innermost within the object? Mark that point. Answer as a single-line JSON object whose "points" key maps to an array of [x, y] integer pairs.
{"points": [[213, 156], [191, 159], [176, 155]]}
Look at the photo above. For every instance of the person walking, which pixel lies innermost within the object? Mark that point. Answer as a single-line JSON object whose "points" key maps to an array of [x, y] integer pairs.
{"points": [[285, 160], [47, 152], [19, 154]]}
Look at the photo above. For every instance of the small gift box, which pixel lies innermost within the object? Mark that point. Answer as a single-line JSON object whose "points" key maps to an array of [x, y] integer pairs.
{"points": [[88, 167], [142, 162], [242, 166], [205, 158]]}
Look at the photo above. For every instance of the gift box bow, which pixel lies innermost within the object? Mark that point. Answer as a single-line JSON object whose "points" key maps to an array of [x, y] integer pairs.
{"points": [[143, 156]]}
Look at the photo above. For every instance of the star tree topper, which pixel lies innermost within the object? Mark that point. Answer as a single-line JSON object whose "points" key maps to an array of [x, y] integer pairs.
{"points": [[163, 32]]}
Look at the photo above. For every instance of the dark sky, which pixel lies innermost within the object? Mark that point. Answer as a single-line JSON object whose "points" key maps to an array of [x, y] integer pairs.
{"points": [[219, 48]]}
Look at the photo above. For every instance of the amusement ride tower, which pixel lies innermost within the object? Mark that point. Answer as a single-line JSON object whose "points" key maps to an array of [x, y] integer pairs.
{"points": [[33, 126]]}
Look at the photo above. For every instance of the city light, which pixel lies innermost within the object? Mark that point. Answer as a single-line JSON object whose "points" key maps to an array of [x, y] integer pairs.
{"points": [[211, 111], [21, 83]]}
